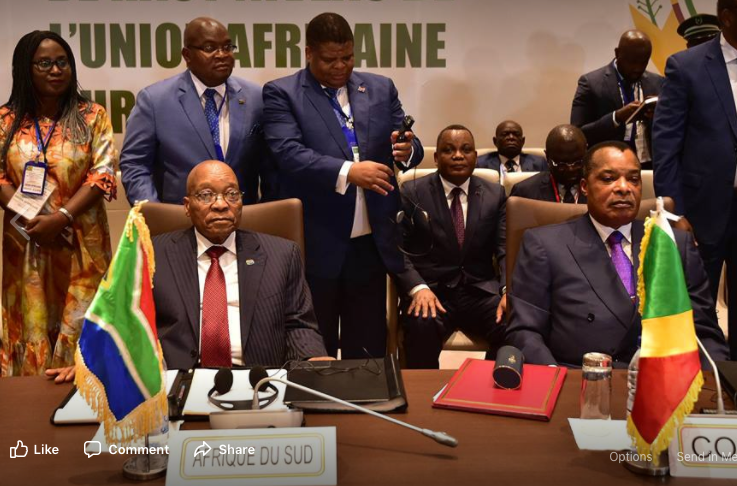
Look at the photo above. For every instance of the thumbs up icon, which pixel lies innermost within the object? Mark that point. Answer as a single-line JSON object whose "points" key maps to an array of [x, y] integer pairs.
{"points": [[19, 450]]}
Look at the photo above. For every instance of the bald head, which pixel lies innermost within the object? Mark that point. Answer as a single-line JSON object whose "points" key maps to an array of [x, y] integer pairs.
{"points": [[195, 27], [209, 169], [633, 54], [565, 149]]}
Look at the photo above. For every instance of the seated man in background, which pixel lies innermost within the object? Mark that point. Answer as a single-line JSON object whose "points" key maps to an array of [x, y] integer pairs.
{"points": [[565, 148], [225, 296], [451, 279], [574, 284], [509, 141]]}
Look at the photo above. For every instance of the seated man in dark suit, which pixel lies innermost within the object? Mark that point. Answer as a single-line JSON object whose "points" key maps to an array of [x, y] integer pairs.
{"points": [[565, 148], [225, 296], [509, 141], [451, 280], [574, 284]]}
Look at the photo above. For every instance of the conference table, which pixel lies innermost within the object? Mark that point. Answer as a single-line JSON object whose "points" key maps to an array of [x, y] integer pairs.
{"points": [[492, 449]]}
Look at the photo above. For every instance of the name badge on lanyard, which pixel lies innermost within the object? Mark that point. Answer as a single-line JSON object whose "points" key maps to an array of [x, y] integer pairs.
{"points": [[34, 172]]}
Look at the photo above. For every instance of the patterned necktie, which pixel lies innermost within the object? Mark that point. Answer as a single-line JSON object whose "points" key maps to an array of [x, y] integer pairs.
{"points": [[621, 262], [509, 164], [568, 197], [456, 213], [211, 113], [215, 335]]}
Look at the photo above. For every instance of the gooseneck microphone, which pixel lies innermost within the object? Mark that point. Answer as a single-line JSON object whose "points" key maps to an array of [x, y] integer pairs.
{"points": [[259, 377]]}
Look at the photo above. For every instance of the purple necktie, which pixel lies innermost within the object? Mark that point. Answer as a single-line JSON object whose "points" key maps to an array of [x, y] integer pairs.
{"points": [[456, 212], [621, 262]]}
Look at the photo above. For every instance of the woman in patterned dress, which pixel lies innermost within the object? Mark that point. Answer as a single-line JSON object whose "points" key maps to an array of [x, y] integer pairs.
{"points": [[51, 275]]}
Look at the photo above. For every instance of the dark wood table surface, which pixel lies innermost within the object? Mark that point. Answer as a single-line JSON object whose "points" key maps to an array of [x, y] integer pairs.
{"points": [[492, 449]]}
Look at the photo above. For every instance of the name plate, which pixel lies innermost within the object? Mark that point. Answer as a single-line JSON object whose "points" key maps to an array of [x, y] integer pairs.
{"points": [[705, 447], [288, 456]]}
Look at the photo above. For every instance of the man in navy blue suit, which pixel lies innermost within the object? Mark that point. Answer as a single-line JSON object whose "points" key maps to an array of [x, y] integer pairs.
{"points": [[334, 134], [203, 113], [509, 157], [695, 148]]}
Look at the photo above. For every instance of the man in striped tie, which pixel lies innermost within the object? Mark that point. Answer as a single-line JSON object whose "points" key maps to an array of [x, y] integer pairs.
{"points": [[574, 286]]}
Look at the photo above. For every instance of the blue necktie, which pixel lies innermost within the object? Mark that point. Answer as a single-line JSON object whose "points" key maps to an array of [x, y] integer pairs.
{"points": [[211, 113]]}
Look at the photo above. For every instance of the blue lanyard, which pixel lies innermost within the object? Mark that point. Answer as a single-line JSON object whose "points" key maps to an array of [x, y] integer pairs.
{"points": [[346, 123], [42, 142], [627, 96]]}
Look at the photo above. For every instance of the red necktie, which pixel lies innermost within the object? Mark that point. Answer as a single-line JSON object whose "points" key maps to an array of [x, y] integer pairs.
{"points": [[215, 335], [456, 212]]}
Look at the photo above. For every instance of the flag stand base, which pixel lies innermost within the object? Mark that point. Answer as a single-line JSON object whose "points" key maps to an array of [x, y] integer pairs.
{"points": [[647, 468], [145, 467]]}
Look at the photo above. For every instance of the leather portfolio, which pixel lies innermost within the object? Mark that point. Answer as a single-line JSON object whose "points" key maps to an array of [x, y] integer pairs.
{"points": [[472, 389], [375, 384]]}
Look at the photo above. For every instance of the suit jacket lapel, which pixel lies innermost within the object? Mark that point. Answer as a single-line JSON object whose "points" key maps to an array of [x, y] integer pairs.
{"points": [[322, 105], [612, 86], [193, 109], [251, 263], [361, 111], [183, 262], [546, 187], [237, 120], [442, 210], [475, 202], [717, 69], [592, 258]]}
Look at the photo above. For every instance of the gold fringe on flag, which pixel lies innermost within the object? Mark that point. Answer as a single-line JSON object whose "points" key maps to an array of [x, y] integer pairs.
{"points": [[662, 441], [144, 235], [145, 419], [649, 222]]}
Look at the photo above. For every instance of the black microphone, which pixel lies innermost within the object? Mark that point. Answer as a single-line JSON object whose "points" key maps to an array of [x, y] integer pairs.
{"points": [[440, 437], [406, 127]]}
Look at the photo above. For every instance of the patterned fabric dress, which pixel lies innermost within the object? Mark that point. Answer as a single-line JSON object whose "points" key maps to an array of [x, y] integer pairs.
{"points": [[46, 290]]}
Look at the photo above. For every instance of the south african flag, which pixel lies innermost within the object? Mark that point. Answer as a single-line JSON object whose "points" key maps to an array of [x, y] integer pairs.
{"points": [[119, 359]]}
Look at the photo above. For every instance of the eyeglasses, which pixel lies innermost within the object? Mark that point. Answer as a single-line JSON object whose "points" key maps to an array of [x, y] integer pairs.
{"points": [[231, 196], [572, 163], [46, 64], [211, 49]]}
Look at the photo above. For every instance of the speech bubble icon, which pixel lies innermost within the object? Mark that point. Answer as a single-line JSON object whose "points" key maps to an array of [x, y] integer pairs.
{"points": [[92, 448]]}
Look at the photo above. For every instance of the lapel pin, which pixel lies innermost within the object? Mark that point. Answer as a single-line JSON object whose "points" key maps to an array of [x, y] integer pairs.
{"points": [[250, 262], [361, 89], [241, 102]]}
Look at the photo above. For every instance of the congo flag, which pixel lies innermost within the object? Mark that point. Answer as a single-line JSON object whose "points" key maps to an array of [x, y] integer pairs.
{"points": [[119, 369], [669, 378]]}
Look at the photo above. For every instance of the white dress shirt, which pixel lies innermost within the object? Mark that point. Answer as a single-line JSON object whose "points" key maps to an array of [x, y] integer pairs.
{"points": [[448, 189], [224, 119], [503, 166], [229, 264], [730, 58], [605, 231]]}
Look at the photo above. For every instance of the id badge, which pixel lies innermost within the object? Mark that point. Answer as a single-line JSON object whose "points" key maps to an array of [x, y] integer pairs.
{"points": [[356, 156], [34, 179], [628, 131]]}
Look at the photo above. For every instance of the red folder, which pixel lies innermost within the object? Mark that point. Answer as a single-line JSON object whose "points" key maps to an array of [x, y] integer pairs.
{"points": [[472, 389]]}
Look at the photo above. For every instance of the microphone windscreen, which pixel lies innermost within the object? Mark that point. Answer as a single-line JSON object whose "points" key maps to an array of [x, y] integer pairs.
{"points": [[257, 374], [508, 368], [223, 381]]}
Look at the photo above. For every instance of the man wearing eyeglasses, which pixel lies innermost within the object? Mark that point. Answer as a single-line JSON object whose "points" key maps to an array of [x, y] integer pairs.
{"points": [[565, 148], [203, 113], [225, 296]]}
